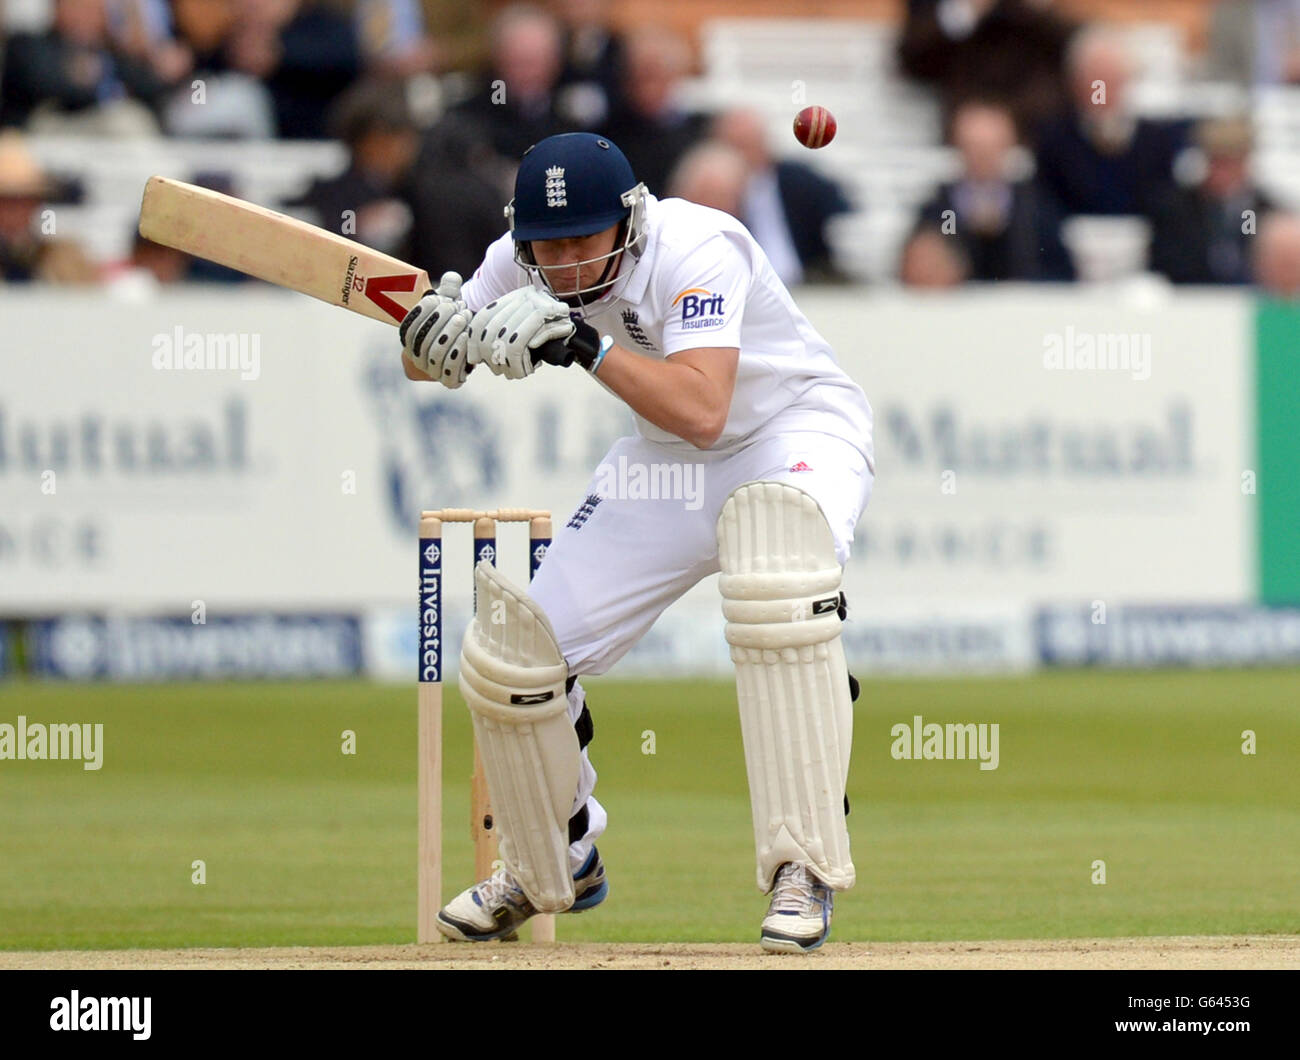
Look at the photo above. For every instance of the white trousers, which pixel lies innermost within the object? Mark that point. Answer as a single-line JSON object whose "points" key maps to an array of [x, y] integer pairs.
{"points": [[629, 551]]}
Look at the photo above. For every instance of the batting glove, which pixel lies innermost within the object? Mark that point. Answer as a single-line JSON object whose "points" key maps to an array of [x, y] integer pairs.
{"points": [[435, 333], [505, 334]]}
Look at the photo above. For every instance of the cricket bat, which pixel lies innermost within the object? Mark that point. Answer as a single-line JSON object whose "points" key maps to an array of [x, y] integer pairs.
{"points": [[279, 249]]}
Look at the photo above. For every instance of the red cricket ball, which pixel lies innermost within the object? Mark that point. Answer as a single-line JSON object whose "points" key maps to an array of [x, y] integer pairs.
{"points": [[814, 127]]}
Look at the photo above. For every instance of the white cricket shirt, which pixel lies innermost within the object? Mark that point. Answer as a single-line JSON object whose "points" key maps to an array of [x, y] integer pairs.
{"points": [[704, 281]]}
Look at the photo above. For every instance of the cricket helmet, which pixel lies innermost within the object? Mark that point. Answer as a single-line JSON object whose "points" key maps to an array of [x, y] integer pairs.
{"points": [[573, 185]]}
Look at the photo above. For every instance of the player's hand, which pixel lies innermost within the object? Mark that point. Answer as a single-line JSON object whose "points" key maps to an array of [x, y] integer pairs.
{"points": [[505, 334], [579, 348], [435, 333]]}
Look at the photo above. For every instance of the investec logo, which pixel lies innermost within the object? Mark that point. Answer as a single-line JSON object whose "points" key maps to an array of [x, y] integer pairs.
{"points": [[701, 308], [430, 618]]}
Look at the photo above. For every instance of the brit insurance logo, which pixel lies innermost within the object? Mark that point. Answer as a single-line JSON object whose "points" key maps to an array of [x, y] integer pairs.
{"points": [[701, 308]]}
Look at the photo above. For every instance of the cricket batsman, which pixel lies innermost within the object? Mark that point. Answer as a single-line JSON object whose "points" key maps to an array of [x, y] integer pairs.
{"points": [[674, 309]]}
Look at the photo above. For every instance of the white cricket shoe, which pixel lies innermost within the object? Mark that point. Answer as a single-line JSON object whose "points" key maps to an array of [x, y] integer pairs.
{"points": [[495, 908], [799, 917]]}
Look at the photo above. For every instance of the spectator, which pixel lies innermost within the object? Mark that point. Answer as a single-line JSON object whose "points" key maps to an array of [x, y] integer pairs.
{"points": [[141, 29], [308, 54], [1100, 158], [368, 201], [711, 174], [1006, 227], [1277, 256], [221, 94], [1255, 42], [1202, 234], [933, 261], [455, 198], [593, 61], [393, 39], [1231, 52], [204, 28], [787, 205], [460, 29], [518, 107], [73, 77], [1277, 42], [1007, 50], [650, 126], [25, 254], [265, 65]]}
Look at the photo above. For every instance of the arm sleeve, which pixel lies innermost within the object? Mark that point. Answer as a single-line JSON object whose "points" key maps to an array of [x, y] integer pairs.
{"points": [[496, 276], [705, 296]]}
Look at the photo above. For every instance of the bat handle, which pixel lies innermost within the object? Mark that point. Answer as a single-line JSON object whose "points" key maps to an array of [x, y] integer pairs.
{"points": [[555, 352]]}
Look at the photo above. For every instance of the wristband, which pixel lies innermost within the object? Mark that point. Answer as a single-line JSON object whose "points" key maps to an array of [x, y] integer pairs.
{"points": [[605, 344]]}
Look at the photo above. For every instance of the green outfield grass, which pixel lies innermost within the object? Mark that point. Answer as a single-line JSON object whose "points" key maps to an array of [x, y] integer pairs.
{"points": [[304, 845]]}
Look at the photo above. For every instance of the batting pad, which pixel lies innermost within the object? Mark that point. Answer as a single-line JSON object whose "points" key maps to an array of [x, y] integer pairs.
{"points": [[512, 676], [780, 595]]}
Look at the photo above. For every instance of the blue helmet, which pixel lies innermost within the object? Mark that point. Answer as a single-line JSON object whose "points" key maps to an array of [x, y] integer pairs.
{"points": [[571, 185]]}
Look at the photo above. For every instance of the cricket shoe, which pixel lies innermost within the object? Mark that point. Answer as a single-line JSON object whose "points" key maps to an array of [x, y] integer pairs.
{"points": [[495, 908], [589, 884], [799, 917]]}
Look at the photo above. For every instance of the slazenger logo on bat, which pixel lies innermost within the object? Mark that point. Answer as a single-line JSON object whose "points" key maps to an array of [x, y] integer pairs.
{"points": [[701, 308], [349, 279]]}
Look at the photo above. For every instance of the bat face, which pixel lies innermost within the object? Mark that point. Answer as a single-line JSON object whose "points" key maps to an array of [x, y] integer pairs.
{"points": [[279, 249]]}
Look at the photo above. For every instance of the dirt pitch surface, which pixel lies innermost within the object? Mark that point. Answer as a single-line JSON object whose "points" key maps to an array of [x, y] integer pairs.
{"points": [[1237, 951]]}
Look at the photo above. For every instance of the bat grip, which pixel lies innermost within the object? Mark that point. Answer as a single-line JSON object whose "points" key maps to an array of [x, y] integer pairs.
{"points": [[555, 352], [582, 346]]}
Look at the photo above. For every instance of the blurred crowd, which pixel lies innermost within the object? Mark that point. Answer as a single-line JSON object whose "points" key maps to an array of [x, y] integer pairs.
{"points": [[1040, 112], [1037, 109]]}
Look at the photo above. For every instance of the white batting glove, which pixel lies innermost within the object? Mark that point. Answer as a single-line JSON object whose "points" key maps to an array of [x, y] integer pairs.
{"points": [[435, 333], [505, 334]]}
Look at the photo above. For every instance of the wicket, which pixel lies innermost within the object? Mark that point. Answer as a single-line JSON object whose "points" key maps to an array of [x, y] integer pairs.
{"points": [[482, 825]]}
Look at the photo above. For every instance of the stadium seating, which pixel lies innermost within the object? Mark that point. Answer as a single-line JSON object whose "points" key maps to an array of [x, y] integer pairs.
{"points": [[889, 154]]}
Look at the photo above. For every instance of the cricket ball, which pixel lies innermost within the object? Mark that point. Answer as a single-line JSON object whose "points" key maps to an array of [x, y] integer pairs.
{"points": [[814, 127]]}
